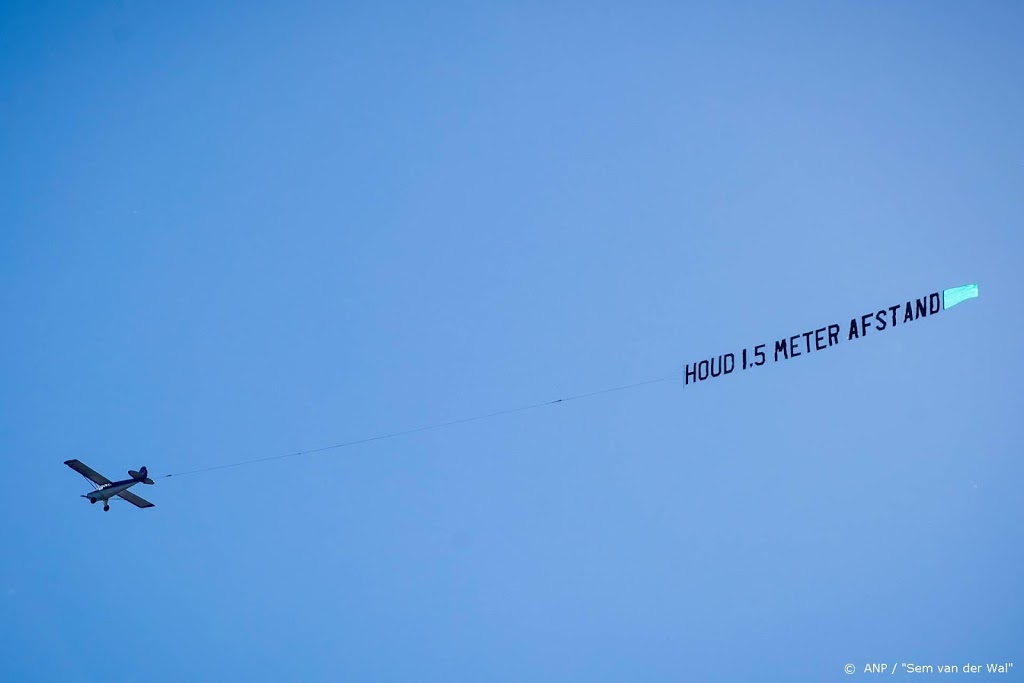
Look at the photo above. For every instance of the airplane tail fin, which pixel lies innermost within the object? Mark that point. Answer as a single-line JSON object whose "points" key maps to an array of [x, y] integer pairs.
{"points": [[142, 475]]}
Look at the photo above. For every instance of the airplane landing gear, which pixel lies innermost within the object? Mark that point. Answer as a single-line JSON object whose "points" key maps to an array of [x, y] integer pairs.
{"points": [[106, 507], [92, 500]]}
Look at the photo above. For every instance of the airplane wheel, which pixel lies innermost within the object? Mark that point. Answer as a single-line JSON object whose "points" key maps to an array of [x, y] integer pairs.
{"points": [[106, 508], [92, 500]]}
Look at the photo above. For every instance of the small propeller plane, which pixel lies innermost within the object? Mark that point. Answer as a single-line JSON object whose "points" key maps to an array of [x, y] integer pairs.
{"points": [[106, 489]]}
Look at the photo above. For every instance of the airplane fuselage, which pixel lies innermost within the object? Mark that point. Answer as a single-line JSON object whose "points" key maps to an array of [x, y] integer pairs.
{"points": [[107, 491]]}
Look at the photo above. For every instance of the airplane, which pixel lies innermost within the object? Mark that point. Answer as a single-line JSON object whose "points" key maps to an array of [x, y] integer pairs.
{"points": [[106, 489]]}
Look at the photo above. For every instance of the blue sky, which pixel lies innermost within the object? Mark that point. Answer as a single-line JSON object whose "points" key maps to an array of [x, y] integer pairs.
{"points": [[237, 231]]}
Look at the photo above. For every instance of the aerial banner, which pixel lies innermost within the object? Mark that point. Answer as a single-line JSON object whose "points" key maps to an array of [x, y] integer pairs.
{"points": [[814, 340], [825, 337]]}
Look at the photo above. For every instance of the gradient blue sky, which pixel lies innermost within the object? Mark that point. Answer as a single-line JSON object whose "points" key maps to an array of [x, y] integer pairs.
{"points": [[236, 230]]}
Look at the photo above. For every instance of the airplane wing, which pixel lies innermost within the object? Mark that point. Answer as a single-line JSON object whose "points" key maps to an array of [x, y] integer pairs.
{"points": [[87, 472], [135, 500]]}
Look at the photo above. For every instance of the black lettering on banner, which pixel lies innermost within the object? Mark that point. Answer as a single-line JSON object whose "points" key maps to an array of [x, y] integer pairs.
{"points": [[780, 346], [691, 373], [864, 323], [824, 337]]}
